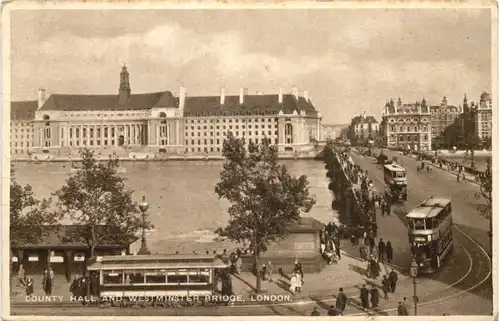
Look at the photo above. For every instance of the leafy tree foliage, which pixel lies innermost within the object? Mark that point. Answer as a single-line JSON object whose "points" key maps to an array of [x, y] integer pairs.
{"points": [[265, 200], [455, 135], [27, 214], [95, 197]]}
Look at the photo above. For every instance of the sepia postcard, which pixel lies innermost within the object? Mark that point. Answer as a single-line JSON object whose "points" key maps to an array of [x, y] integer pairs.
{"points": [[205, 159]]}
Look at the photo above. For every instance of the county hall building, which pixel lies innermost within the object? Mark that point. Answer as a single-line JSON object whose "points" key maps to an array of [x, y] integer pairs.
{"points": [[160, 123]]}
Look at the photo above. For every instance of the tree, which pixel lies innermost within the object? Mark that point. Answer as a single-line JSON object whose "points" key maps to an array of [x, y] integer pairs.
{"points": [[472, 141], [27, 216], [95, 197], [265, 200], [453, 135]]}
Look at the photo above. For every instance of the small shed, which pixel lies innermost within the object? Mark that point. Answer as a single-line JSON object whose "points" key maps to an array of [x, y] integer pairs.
{"points": [[302, 243]]}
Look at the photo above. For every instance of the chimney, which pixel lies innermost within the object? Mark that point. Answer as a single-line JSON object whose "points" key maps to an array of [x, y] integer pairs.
{"points": [[306, 96], [41, 97], [222, 95], [182, 98], [295, 92], [243, 93], [280, 96]]}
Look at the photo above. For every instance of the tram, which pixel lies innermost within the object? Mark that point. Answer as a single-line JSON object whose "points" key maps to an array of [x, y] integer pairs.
{"points": [[430, 233], [395, 179], [157, 279]]}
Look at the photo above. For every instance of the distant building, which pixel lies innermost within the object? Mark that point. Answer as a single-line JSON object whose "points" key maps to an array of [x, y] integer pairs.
{"points": [[363, 128], [406, 126], [333, 131], [483, 117], [442, 116], [160, 122]]}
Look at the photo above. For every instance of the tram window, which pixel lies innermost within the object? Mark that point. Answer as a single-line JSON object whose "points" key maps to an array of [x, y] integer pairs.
{"points": [[112, 277], [418, 224], [199, 276], [177, 276], [136, 277], [429, 223], [399, 174], [155, 277]]}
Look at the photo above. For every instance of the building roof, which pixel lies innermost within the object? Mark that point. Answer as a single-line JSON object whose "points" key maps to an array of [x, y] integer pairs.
{"points": [[23, 110], [306, 225], [108, 102], [252, 104], [364, 120], [193, 106], [434, 107], [69, 236]]}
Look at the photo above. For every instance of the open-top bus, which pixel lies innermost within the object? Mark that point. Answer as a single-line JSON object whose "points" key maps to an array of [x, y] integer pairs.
{"points": [[395, 179], [156, 278], [430, 233]]}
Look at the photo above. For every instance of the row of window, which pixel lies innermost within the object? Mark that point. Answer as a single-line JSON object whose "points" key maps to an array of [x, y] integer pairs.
{"points": [[269, 126], [408, 128], [160, 276], [243, 133], [410, 138], [230, 120]]}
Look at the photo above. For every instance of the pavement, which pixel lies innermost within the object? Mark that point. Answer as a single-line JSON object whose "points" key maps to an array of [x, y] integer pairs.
{"points": [[469, 265]]}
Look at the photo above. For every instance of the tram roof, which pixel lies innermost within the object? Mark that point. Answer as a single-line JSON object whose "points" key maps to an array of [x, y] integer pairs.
{"points": [[395, 167], [424, 212], [177, 261], [436, 201]]}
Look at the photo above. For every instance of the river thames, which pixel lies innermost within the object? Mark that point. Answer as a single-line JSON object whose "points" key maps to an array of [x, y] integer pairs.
{"points": [[183, 206]]}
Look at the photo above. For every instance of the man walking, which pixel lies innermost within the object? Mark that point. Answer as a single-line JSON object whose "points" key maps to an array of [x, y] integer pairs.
{"points": [[341, 301], [393, 280], [363, 296], [385, 287], [381, 250]]}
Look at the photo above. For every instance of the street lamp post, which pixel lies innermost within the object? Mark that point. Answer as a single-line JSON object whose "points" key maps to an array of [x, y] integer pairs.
{"points": [[414, 275], [143, 206]]}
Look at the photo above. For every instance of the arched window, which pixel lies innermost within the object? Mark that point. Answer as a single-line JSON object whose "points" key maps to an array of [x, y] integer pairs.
{"points": [[162, 118], [288, 134]]}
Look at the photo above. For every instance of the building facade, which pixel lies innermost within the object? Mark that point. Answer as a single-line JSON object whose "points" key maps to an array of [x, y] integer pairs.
{"points": [[161, 122], [406, 126], [362, 129], [483, 117], [442, 116]]}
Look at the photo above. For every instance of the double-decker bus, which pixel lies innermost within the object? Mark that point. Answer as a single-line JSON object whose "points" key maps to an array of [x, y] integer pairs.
{"points": [[429, 233], [395, 179]]}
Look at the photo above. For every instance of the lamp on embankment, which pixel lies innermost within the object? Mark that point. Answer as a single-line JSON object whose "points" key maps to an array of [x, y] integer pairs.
{"points": [[414, 275], [143, 206]]}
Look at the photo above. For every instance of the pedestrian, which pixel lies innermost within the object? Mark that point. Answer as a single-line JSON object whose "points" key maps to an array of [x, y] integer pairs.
{"points": [[393, 280], [337, 247], [363, 296], [374, 296], [458, 177], [29, 286], [381, 250], [371, 242], [299, 282], [21, 274], [341, 301], [270, 272], [238, 264], [332, 311], [293, 283], [386, 287], [463, 177], [401, 308], [389, 251], [315, 312], [405, 307]]}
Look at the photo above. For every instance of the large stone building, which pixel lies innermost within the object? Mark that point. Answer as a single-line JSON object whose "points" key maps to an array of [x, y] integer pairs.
{"points": [[160, 122], [363, 128], [406, 126], [442, 116], [482, 116]]}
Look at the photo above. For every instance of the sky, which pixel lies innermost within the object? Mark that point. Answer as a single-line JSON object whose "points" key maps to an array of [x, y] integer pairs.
{"points": [[348, 60]]}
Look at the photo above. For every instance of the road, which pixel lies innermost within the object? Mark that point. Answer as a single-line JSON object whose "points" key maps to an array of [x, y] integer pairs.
{"points": [[469, 265]]}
